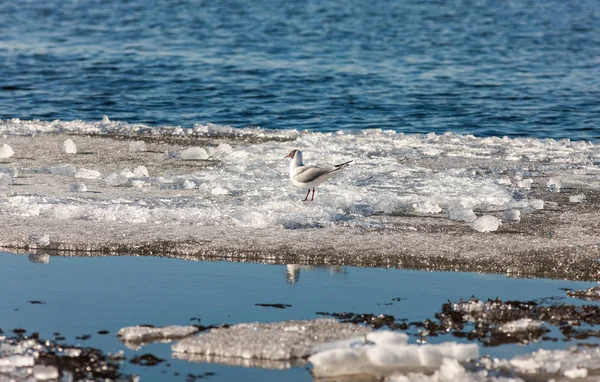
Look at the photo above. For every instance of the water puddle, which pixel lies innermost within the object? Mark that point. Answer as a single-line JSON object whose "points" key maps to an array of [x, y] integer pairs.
{"points": [[82, 302]]}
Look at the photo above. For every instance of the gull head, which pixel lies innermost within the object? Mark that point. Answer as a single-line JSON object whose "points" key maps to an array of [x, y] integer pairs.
{"points": [[292, 154]]}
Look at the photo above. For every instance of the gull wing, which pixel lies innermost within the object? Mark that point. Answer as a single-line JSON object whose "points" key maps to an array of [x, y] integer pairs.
{"points": [[308, 174]]}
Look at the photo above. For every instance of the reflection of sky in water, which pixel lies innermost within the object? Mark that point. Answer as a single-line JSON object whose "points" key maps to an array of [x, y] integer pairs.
{"points": [[85, 295]]}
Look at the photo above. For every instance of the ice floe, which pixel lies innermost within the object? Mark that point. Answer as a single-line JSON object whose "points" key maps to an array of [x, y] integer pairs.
{"points": [[136, 336], [273, 341]]}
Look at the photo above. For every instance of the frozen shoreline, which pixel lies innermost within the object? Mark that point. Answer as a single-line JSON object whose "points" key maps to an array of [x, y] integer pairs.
{"points": [[207, 209]]}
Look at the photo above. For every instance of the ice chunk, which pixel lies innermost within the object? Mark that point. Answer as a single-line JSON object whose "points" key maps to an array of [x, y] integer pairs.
{"points": [[537, 204], [105, 120], [554, 185], [504, 181], [40, 240], [70, 147], [188, 184], [135, 336], [5, 178], [458, 212], [116, 180], [127, 173], [386, 337], [381, 359], [525, 183], [64, 169], [426, 207], [522, 324], [219, 191], [275, 341], [78, 187], [485, 223], [191, 153], [45, 372], [137, 146], [576, 373], [17, 360], [512, 215], [579, 198], [140, 171], [6, 151], [83, 173]]}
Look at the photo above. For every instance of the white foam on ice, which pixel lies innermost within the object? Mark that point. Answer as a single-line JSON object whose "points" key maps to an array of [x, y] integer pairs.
{"points": [[274, 341]]}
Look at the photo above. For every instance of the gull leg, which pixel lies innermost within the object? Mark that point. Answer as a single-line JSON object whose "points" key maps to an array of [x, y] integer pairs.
{"points": [[313, 196], [305, 199]]}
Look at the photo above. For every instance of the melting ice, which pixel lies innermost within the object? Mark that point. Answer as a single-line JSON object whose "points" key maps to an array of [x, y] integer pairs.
{"points": [[241, 180]]}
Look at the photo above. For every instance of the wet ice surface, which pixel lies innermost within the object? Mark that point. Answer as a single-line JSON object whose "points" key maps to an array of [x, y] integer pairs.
{"points": [[422, 201]]}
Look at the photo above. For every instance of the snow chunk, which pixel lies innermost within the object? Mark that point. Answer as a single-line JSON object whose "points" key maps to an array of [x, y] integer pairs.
{"points": [[579, 198], [275, 341], [83, 173], [137, 146], [191, 153], [64, 169], [135, 336], [78, 187], [512, 215], [70, 147], [140, 171], [44, 373], [485, 223], [6, 151]]}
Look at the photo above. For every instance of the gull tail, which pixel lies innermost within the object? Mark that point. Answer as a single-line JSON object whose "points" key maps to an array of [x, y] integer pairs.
{"points": [[342, 166]]}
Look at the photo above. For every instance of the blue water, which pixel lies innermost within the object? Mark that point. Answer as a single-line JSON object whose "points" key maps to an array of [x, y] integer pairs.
{"points": [[84, 295], [487, 67]]}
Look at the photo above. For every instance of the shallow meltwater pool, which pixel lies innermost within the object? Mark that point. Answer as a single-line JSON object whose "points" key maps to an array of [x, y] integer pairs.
{"points": [[84, 301]]}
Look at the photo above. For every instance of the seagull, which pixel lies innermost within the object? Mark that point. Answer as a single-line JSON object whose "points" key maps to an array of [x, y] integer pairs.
{"points": [[310, 176]]}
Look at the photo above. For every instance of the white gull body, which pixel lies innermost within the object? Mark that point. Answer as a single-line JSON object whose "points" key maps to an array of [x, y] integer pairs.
{"points": [[310, 176]]}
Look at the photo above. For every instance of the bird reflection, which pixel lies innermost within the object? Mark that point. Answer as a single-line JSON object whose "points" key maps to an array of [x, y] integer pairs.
{"points": [[39, 258], [293, 270]]}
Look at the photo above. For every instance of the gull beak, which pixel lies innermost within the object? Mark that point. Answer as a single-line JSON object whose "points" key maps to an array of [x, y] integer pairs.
{"points": [[290, 155]]}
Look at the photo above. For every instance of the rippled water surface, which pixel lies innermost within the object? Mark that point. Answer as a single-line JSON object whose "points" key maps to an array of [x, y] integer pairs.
{"points": [[521, 68]]}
